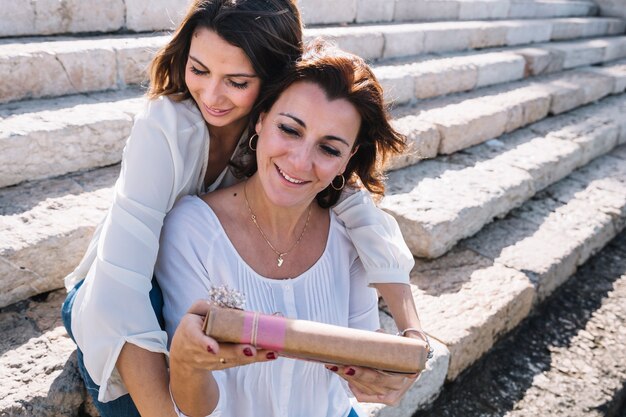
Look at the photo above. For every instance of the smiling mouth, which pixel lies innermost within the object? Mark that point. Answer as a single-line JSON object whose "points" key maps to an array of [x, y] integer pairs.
{"points": [[288, 178], [216, 112]]}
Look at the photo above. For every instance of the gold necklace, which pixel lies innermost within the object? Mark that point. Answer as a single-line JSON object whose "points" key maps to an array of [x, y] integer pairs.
{"points": [[280, 259]]}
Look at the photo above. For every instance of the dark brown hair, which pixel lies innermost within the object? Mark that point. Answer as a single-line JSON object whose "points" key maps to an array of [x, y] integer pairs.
{"points": [[268, 31], [342, 76]]}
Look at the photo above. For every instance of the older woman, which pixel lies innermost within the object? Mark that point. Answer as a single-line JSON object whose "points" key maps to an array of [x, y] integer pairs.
{"points": [[274, 238]]}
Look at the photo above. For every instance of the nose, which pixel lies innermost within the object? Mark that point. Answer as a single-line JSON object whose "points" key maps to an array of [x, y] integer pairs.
{"points": [[302, 156], [212, 92]]}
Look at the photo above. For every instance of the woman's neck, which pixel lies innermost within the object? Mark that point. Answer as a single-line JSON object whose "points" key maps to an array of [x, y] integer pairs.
{"points": [[283, 225]]}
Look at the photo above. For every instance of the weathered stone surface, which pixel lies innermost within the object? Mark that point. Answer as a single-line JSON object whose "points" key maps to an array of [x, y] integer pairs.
{"points": [[398, 83], [422, 138], [569, 28], [73, 136], [47, 17], [447, 36], [328, 11], [374, 11], [363, 41], [497, 68], [475, 10], [403, 41], [45, 228], [425, 10], [568, 358], [468, 302], [150, 15], [528, 31], [541, 60], [443, 76], [38, 362], [579, 54]]}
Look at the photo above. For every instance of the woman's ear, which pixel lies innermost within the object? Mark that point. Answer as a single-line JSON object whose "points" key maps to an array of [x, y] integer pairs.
{"points": [[354, 150], [259, 123]]}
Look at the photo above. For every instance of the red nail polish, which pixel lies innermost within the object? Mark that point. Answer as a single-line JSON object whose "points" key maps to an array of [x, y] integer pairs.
{"points": [[334, 368], [271, 355], [350, 372], [247, 352], [208, 349]]}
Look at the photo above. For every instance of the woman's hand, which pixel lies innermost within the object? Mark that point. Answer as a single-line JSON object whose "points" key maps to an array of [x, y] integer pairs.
{"points": [[191, 349], [374, 386]]}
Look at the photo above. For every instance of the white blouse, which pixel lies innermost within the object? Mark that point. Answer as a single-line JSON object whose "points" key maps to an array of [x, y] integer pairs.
{"points": [[165, 159], [196, 254]]}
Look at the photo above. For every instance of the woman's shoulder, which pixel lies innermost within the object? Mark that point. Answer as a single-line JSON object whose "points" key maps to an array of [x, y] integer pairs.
{"points": [[191, 218], [168, 110]]}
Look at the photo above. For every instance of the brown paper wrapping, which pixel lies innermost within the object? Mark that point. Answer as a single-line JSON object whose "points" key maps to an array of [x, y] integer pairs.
{"points": [[326, 343]]}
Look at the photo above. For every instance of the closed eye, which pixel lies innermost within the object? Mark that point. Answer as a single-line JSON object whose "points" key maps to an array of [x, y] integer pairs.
{"points": [[330, 150], [197, 71], [240, 86], [288, 130]]}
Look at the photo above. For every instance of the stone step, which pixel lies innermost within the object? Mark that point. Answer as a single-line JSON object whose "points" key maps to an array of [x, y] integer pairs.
{"points": [[78, 65], [569, 358], [48, 17], [483, 288], [439, 202], [446, 125], [93, 128]]}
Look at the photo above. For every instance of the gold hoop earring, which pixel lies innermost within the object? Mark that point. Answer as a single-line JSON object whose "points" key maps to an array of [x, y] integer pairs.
{"points": [[250, 142], [343, 183]]}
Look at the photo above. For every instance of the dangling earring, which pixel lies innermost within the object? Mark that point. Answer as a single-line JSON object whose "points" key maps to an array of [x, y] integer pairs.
{"points": [[250, 142], [343, 183]]}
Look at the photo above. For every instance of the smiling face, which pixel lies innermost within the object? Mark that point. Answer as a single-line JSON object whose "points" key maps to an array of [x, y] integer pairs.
{"points": [[221, 80], [305, 141]]}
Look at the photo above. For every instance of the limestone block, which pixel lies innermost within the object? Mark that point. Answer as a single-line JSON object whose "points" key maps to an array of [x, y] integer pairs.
{"points": [[616, 27], [595, 85], [437, 203], [540, 60], [487, 34], [444, 76], [615, 8], [579, 54], [71, 67], [527, 31], [479, 10], [316, 12], [39, 371], [17, 17], [397, 82], [46, 227], [447, 36], [569, 28], [617, 73], [422, 138], [491, 300], [149, 15], [134, 57], [468, 123], [523, 105], [424, 390], [374, 11], [566, 95], [524, 10], [403, 41], [615, 48], [497, 68], [362, 41], [425, 10], [81, 136]]}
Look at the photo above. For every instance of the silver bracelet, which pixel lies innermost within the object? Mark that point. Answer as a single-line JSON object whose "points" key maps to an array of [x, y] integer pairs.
{"points": [[424, 336]]}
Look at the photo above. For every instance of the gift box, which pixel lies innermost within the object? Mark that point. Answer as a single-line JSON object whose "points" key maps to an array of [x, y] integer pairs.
{"points": [[309, 340]]}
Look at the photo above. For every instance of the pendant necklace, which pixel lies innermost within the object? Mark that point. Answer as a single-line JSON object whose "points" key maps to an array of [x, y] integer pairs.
{"points": [[281, 255]]}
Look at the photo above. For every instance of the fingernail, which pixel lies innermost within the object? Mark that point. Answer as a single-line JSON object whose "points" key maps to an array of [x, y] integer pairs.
{"points": [[350, 372], [247, 352], [208, 349], [271, 355], [334, 368]]}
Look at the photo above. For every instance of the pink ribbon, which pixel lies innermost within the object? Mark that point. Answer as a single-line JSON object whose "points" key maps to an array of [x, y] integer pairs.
{"points": [[264, 331]]}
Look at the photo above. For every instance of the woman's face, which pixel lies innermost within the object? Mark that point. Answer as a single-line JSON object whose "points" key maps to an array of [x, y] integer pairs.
{"points": [[220, 78], [305, 141]]}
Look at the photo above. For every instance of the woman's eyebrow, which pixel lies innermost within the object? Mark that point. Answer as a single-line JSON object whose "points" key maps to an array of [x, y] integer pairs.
{"points": [[301, 123], [243, 74]]}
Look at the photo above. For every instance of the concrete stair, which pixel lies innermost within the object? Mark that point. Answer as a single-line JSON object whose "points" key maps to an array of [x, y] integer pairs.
{"points": [[518, 107]]}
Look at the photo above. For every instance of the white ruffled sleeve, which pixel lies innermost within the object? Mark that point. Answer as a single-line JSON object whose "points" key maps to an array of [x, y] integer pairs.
{"points": [[113, 305], [377, 238]]}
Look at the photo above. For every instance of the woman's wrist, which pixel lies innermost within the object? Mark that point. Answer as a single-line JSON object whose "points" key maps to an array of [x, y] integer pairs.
{"points": [[417, 333]]}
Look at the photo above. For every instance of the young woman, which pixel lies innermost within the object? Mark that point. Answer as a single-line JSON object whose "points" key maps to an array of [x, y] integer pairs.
{"points": [[204, 84], [327, 120]]}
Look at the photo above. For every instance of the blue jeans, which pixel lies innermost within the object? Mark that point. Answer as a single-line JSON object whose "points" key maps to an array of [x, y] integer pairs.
{"points": [[124, 405]]}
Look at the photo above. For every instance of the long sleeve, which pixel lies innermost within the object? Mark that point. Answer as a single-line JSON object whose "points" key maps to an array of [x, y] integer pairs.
{"points": [[377, 239], [160, 163]]}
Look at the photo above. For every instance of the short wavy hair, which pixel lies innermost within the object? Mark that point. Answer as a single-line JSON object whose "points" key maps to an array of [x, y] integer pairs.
{"points": [[342, 76]]}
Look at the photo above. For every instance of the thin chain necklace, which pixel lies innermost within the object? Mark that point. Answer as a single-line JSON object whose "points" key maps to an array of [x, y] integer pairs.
{"points": [[280, 259]]}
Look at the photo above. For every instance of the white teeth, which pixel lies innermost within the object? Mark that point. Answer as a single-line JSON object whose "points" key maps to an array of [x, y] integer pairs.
{"points": [[288, 178]]}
